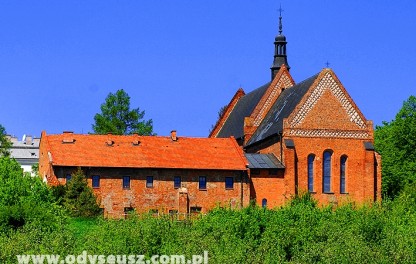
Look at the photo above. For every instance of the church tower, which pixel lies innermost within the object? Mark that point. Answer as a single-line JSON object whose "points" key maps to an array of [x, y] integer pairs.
{"points": [[280, 56]]}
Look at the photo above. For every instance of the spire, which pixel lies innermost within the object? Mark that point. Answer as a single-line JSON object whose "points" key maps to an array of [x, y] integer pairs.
{"points": [[280, 56]]}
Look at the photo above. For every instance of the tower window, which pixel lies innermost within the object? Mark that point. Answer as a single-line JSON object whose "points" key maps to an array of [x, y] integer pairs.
{"points": [[311, 159], [327, 171], [343, 174]]}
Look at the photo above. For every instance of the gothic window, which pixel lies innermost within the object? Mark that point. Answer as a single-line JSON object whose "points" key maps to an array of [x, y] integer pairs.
{"points": [[311, 159], [327, 167], [343, 173]]}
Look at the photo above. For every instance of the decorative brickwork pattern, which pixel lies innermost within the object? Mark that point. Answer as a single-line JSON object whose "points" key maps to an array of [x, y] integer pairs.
{"points": [[328, 83], [359, 134]]}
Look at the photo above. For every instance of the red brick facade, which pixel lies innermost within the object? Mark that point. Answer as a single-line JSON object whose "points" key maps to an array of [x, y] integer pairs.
{"points": [[325, 118], [151, 164]]}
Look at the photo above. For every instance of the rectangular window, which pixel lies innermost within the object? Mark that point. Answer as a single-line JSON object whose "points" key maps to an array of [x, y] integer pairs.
{"points": [[68, 178], [202, 182], [177, 181], [126, 182], [149, 182], [229, 183], [195, 209], [95, 181]]}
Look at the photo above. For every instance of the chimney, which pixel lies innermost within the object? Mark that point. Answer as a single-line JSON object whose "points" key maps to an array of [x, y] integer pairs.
{"points": [[173, 135], [28, 140], [109, 141], [136, 140], [68, 137]]}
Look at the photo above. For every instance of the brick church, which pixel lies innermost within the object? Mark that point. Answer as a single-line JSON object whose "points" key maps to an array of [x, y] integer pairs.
{"points": [[279, 140], [313, 127]]}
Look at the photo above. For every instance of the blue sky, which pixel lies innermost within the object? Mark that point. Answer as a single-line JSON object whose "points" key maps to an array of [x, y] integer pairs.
{"points": [[180, 61]]}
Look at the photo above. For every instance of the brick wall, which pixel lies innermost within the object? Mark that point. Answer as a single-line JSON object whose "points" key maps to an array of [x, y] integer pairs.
{"points": [[163, 196]]}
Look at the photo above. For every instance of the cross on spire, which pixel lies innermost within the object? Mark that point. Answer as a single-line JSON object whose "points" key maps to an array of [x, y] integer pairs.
{"points": [[327, 64], [280, 19]]}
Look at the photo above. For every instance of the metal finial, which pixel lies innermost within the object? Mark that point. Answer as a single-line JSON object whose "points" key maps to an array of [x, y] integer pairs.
{"points": [[327, 64], [280, 20]]}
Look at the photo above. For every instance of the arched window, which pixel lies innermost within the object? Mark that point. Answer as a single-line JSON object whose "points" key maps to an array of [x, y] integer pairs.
{"points": [[327, 171], [311, 159], [343, 173], [264, 203]]}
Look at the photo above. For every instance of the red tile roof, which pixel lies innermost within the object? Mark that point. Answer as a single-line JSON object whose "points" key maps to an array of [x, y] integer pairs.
{"points": [[152, 152]]}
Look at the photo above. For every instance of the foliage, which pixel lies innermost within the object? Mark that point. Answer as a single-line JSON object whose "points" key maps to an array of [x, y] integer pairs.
{"points": [[79, 198], [5, 144], [220, 113], [396, 142], [117, 118], [25, 200], [299, 232]]}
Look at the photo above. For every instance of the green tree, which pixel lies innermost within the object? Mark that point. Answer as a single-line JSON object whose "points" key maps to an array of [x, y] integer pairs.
{"points": [[79, 198], [396, 142], [5, 144], [116, 117], [24, 199]]}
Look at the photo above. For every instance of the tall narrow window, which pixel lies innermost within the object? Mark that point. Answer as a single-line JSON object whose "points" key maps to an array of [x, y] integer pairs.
{"points": [[311, 159], [202, 182], [342, 174], [149, 182], [177, 182], [126, 182], [95, 181], [327, 171]]}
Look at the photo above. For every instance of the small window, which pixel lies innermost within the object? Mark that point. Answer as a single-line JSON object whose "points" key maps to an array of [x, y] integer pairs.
{"points": [[327, 167], [173, 212], [95, 181], [311, 159], [342, 174], [149, 182], [195, 209], [272, 171], [177, 181], [68, 178], [202, 182], [126, 182], [128, 210], [264, 203], [229, 183]]}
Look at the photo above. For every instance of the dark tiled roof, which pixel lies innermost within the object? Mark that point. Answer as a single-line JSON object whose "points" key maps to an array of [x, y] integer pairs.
{"points": [[263, 161], [282, 108], [234, 126]]}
